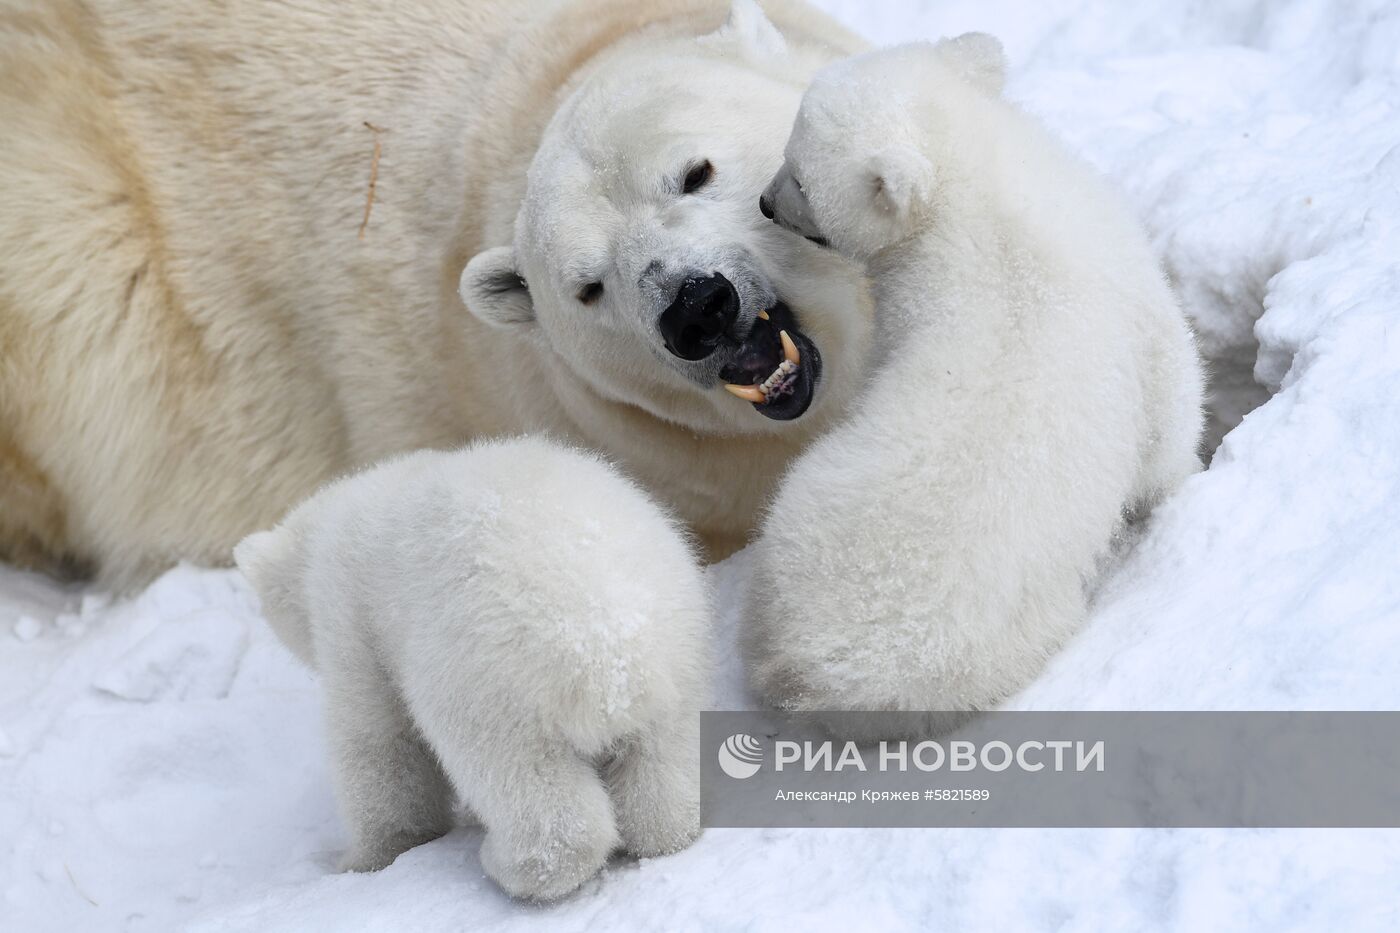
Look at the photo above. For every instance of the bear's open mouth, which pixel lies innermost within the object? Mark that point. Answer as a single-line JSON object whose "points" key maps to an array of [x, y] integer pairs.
{"points": [[776, 367]]}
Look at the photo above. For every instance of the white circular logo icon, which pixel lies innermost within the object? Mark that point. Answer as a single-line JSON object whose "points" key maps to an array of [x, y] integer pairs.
{"points": [[741, 756]]}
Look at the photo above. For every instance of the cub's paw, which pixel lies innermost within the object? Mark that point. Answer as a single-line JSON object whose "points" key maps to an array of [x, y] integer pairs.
{"points": [[550, 865], [654, 782], [659, 823]]}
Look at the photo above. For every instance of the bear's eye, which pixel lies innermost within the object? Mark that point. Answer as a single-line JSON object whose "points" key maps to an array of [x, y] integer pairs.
{"points": [[697, 177], [590, 292]]}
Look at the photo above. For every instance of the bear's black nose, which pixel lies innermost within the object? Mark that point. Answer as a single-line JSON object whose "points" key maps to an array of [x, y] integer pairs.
{"points": [[765, 206], [705, 307]]}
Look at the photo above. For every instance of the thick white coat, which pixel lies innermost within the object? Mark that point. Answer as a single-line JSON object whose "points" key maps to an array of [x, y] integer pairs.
{"points": [[1038, 384], [205, 314], [515, 625]]}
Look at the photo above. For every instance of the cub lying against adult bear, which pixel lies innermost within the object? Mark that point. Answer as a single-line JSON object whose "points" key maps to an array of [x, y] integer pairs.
{"points": [[1039, 381], [515, 623]]}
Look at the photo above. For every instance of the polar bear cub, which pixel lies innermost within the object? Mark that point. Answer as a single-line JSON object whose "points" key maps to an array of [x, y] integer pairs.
{"points": [[516, 623], [1036, 382]]}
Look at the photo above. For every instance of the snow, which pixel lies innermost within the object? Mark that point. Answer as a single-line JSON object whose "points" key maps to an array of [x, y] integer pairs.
{"points": [[161, 764]]}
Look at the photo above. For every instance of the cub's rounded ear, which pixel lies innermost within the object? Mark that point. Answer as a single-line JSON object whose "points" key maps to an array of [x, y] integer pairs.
{"points": [[901, 179], [268, 560], [978, 58], [756, 36], [256, 554], [493, 289]]}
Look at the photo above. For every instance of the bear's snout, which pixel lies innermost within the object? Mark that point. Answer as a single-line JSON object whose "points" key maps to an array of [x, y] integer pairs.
{"points": [[704, 309], [784, 203]]}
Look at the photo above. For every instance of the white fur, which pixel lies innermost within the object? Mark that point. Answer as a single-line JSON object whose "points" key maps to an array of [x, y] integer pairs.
{"points": [[1038, 382], [243, 322], [515, 622], [603, 203]]}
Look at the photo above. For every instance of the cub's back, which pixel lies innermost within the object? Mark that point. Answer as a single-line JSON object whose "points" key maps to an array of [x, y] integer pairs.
{"points": [[536, 571]]}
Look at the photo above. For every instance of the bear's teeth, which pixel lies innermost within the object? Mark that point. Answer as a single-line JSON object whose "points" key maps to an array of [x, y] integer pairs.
{"points": [[758, 394], [785, 369], [747, 393], [790, 353]]}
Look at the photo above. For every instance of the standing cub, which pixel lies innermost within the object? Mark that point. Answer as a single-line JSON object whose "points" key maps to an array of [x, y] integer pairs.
{"points": [[1038, 381], [514, 622]]}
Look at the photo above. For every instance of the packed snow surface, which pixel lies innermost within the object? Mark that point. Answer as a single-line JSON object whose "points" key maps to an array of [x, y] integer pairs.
{"points": [[161, 764]]}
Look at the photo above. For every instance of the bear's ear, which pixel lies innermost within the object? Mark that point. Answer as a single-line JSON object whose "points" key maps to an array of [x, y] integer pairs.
{"points": [[273, 563], [978, 59], [900, 177], [493, 289], [748, 28], [268, 560]]}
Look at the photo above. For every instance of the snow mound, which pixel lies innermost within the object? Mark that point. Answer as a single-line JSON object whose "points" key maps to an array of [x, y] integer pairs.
{"points": [[161, 761]]}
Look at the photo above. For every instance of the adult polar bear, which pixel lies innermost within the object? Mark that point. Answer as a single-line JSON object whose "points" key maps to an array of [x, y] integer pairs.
{"points": [[194, 335]]}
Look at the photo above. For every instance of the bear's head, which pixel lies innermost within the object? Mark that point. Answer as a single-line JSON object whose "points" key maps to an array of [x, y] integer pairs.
{"points": [[640, 259], [877, 137]]}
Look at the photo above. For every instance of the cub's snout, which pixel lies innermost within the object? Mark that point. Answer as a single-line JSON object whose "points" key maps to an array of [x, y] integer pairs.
{"points": [[785, 203]]}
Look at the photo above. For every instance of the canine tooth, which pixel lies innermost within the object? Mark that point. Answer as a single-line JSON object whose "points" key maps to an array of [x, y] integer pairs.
{"points": [[789, 349], [763, 315], [747, 393]]}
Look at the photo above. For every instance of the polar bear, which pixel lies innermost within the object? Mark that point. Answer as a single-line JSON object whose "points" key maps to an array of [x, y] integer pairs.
{"points": [[1038, 382], [506, 622], [232, 236]]}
